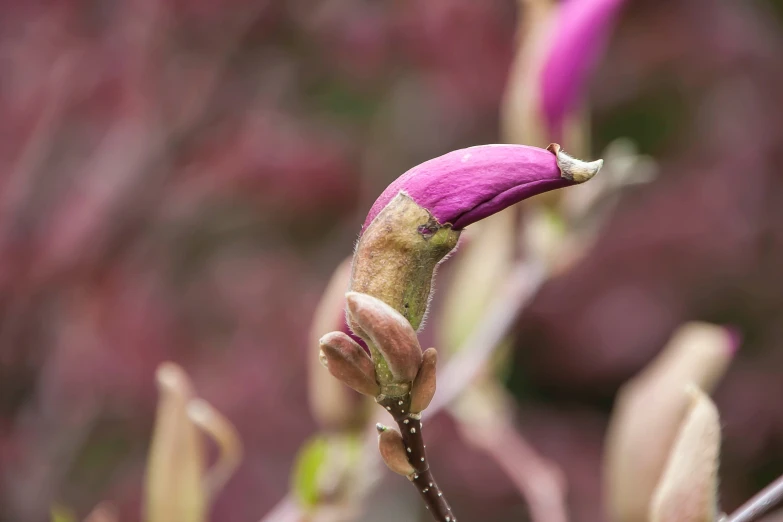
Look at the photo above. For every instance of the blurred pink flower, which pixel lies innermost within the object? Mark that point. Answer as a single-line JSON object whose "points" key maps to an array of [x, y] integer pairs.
{"points": [[583, 27]]}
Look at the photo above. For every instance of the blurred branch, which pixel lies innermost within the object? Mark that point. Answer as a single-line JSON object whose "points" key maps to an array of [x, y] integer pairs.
{"points": [[539, 481], [20, 183], [483, 419], [286, 510], [471, 359], [760, 504]]}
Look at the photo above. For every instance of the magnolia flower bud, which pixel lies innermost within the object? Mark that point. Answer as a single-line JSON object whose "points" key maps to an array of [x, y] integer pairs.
{"points": [[423, 389], [177, 485], [580, 29], [649, 410], [688, 489], [521, 118], [393, 451], [348, 362], [464, 186], [388, 333], [416, 221], [175, 470]]}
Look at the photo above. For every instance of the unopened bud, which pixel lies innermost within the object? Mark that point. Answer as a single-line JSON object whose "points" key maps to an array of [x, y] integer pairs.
{"points": [[348, 362], [649, 410], [423, 389], [392, 450], [397, 255], [175, 469], [390, 334], [416, 221], [687, 491]]}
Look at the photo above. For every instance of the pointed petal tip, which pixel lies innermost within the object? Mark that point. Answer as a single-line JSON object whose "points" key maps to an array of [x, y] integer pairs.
{"points": [[171, 377], [353, 299], [330, 339], [574, 169], [687, 489]]}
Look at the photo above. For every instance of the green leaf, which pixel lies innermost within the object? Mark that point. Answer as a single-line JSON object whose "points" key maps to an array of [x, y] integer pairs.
{"points": [[308, 469], [62, 514]]}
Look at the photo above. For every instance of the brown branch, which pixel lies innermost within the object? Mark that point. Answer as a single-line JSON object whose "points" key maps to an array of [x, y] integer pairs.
{"points": [[761, 503], [410, 429]]}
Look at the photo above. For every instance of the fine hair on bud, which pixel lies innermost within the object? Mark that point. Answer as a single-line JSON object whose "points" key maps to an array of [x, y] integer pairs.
{"points": [[392, 450], [423, 389], [348, 362], [389, 332]]}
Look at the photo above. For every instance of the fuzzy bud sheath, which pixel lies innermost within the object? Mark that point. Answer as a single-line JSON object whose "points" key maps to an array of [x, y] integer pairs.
{"points": [[583, 28]]}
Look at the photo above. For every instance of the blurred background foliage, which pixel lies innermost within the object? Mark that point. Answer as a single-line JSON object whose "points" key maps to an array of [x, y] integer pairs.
{"points": [[178, 180]]}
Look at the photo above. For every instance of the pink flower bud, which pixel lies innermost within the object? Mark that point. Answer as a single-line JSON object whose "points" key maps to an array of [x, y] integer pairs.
{"points": [[464, 186]]}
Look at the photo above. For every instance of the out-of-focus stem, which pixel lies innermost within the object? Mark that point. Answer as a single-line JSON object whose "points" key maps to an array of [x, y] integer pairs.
{"points": [[483, 417], [410, 429], [225, 435], [472, 357], [286, 510], [539, 482], [760, 504]]}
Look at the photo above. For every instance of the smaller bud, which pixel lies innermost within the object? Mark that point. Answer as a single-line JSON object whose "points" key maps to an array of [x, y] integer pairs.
{"points": [[423, 389], [393, 451], [688, 488], [389, 332], [577, 36], [348, 362]]}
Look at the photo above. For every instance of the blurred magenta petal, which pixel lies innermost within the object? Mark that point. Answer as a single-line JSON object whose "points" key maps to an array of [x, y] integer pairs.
{"points": [[467, 185], [583, 28], [735, 336]]}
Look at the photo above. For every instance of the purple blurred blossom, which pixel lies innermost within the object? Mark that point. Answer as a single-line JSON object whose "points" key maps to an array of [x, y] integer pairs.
{"points": [[467, 185], [735, 337], [583, 27]]}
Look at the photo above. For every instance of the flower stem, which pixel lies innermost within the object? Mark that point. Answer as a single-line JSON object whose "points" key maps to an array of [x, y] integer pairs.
{"points": [[410, 429], [762, 502]]}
